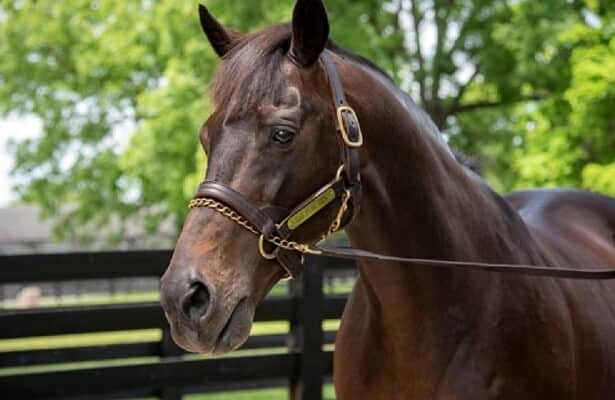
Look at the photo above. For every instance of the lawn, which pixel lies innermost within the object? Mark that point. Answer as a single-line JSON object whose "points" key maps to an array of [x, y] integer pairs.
{"points": [[259, 394]]}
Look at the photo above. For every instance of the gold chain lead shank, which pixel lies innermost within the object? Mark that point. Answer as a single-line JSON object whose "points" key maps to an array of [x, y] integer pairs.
{"points": [[244, 223]]}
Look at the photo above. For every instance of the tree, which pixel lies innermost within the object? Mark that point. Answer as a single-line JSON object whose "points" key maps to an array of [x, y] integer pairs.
{"points": [[119, 86], [570, 139], [94, 72], [564, 134]]}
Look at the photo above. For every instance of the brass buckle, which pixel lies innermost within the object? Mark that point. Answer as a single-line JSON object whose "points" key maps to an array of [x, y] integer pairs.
{"points": [[340, 120]]}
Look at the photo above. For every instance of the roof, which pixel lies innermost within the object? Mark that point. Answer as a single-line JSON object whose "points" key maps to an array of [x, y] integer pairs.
{"points": [[23, 224]]}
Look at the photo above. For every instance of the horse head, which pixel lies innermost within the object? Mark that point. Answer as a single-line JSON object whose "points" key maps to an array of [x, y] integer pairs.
{"points": [[272, 141]]}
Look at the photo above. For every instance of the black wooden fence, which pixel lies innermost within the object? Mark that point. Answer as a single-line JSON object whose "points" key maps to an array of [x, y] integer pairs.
{"points": [[167, 372]]}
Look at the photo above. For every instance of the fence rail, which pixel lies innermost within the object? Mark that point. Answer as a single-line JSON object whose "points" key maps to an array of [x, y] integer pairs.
{"points": [[159, 368]]}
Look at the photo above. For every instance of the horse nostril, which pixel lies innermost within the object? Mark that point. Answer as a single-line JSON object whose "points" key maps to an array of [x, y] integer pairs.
{"points": [[196, 301]]}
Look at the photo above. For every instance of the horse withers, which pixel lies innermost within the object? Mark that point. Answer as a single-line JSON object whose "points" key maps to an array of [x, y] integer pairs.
{"points": [[407, 332]]}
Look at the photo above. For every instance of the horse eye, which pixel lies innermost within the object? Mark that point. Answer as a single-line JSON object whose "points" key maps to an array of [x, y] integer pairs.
{"points": [[282, 136]]}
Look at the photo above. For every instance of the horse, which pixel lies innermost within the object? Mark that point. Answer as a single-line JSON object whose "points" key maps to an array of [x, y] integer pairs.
{"points": [[407, 331]]}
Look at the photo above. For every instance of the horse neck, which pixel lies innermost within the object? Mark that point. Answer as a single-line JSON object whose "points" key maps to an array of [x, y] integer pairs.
{"points": [[418, 201]]}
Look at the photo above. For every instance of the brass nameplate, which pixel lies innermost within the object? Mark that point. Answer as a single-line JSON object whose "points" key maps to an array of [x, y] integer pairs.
{"points": [[312, 208]]}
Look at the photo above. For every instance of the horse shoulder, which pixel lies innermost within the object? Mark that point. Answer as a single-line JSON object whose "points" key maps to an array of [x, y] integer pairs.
{"points": [[577, 229]]}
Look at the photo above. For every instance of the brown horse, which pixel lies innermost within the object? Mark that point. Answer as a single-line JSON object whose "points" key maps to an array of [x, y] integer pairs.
{"points": [[408, 331]]}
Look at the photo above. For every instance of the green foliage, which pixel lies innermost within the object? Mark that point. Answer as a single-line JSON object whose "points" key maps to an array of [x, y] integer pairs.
{"points": [[557, 129], [570, 138], [93, 71], [119, 85]]}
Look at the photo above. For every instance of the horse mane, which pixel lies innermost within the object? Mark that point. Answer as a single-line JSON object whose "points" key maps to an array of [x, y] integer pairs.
{"points": [[251, 73]]}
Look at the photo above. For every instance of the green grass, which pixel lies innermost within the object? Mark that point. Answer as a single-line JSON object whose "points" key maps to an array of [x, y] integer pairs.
{"points": [[78, 340], [331, 324], [258, 394], [101, 338], [91, 300], [34, 369], [30, 369]]}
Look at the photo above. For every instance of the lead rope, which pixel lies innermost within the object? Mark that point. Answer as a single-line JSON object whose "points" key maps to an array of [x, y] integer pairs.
{"points": [[354, 254]]}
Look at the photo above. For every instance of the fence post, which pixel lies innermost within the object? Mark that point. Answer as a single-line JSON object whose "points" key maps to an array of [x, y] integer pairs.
{"points": [[295, 334], [306, 334], [168, 348]]}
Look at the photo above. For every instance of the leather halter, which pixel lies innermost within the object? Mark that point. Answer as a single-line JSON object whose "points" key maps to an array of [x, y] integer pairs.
{"points": [[276, 225], [273, 222]]}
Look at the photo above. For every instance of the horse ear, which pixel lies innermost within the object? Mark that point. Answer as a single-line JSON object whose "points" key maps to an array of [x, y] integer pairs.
{"points": [[310, 32], [221, 39]]}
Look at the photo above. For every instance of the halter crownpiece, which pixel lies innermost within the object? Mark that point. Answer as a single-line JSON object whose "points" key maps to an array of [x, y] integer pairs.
{"points": [[275, 225]]}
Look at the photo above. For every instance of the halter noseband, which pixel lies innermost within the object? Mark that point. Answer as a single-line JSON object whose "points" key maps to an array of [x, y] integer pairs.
{"points": [[275, 225]]}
